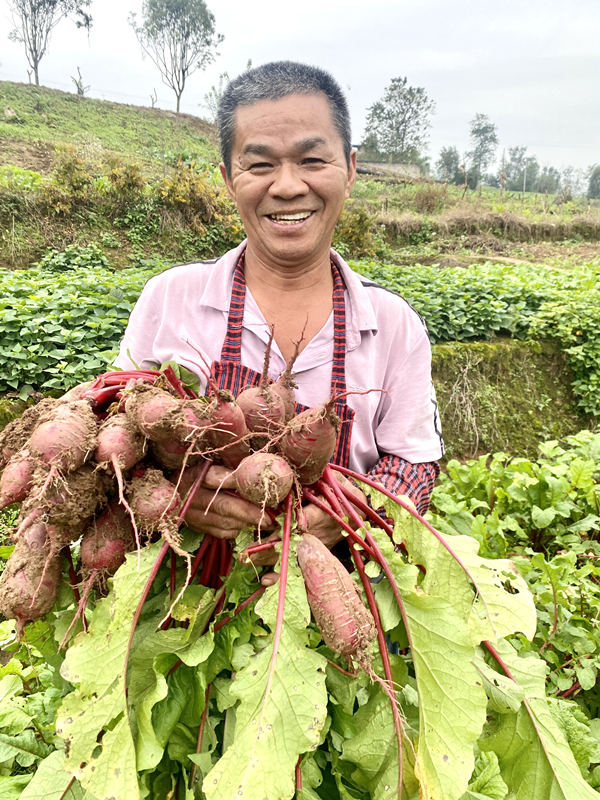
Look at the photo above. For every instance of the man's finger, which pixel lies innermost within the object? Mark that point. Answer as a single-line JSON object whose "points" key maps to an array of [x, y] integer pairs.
{"points": [[228, 506], [219, 477], [269, 578]]}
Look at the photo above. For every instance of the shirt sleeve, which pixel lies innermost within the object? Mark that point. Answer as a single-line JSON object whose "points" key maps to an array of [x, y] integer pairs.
{"points": [[399, 476]]}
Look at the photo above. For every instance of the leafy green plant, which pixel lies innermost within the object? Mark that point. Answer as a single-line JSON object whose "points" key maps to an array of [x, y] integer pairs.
{"points": [[544, 514], [13, 177], [58, 328], [74, 256]]}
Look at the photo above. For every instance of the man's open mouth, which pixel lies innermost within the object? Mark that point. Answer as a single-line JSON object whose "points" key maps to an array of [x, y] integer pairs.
{"points": [[290, 219]]}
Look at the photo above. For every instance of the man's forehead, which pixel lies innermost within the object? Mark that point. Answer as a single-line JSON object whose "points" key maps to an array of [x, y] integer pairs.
{"points": [[311, 115], [303, 145]]}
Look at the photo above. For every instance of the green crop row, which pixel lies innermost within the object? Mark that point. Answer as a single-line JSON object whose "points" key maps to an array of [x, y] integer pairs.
{"points": [[61, 323]]}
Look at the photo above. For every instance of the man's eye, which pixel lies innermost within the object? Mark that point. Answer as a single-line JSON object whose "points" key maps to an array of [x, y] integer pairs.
{"points": [[311, 162], [260, 165]]}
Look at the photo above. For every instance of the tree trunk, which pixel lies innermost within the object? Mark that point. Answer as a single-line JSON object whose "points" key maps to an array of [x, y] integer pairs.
{"points": [[178, 101]]}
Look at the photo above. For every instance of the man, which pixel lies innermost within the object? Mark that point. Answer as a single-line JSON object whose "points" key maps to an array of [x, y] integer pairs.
{"points": [[289, 166]]}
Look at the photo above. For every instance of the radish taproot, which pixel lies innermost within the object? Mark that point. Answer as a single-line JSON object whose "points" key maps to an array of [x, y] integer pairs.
{"points": [[229, 435], [153, 411], [67, 503], [155, 503], [15, 435], [345, 623], [106, 541]]}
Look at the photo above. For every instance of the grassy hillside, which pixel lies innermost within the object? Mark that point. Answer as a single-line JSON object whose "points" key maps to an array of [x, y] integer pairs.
{"points": [[33, 120]]}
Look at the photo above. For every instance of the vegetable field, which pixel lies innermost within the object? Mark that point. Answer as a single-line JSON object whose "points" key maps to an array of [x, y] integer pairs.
{"points": [[448, 657]]}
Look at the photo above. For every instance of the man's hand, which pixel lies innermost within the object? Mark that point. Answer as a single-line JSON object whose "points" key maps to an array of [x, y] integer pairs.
{"points": [[226, 514]]}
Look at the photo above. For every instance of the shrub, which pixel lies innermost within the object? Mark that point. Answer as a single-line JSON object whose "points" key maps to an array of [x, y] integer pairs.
{"points": [[74, 256], [355, 233]]}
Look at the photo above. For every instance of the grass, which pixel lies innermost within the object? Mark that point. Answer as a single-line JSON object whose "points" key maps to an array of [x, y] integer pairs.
{"points": [[55, 117]]}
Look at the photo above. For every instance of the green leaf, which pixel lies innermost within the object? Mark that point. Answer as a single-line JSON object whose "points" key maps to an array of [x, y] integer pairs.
{"points": [[11, 787], [486, 782], [535, 758], [52, 782], [373, 749], [25, 747], [151, 660], [94, 719], [490, 592], [273, 729], [542, 517]]}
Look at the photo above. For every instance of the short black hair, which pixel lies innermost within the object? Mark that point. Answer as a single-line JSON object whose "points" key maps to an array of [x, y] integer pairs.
{"points": [[273, 81]]}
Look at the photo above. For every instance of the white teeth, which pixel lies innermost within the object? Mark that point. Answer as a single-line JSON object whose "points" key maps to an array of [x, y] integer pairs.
{"points": [[291, 217]]}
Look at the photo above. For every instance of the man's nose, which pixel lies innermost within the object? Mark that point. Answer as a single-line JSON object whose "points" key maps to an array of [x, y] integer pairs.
{"points": [[288, 181]]}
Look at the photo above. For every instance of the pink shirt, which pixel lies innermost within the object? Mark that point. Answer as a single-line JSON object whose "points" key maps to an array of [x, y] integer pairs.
{"points": [[184, 310]]}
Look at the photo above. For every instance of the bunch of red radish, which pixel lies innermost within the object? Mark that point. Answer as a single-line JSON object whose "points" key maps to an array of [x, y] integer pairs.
{"points": [[122, 457]]}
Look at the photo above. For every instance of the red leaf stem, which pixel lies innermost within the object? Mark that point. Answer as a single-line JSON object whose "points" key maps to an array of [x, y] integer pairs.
{"points": [[385, 657], [352, 534], [240, 607], [193, 489], [411, 510]]}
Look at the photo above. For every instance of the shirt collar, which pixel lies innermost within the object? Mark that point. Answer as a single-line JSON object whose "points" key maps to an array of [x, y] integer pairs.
{"points": [[360, 314]]}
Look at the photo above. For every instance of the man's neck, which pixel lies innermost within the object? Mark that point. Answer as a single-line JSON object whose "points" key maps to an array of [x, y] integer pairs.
{"points": [[301, 279]]}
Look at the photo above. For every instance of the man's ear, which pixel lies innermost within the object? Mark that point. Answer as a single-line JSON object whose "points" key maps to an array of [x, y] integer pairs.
{"points": [[226, 180], [351, 172]]}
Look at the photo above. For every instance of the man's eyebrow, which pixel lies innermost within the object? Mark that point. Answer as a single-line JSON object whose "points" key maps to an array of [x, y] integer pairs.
{"points": [[303, 146]]}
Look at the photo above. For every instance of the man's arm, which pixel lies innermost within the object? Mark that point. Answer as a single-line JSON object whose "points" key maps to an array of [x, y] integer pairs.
{"points": [[399, 476]]}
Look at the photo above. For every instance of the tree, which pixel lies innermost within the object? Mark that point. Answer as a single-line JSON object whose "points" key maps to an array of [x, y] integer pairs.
{"points": [[594, 182], [398, 123], [484, 138], [179, 37], [212, 99], [448, 166], [521, 170], [34, 21]]}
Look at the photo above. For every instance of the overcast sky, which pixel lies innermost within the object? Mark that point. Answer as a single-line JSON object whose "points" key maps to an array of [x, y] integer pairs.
{"points": [[533, 66]]}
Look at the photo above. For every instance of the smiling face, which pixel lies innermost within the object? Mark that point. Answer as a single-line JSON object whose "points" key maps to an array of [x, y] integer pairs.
{"points": [[289, 179]]}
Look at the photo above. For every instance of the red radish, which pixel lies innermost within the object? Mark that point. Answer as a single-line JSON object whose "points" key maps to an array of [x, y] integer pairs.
{"points": [[309, 442], [107, 540], [197, 420], [264, 410], [16, 479], [344, 621], [65, 505], [154, 411], [173, 454], [119, 443], [229, 435], [264, 479], [155, 503], [67, 437], [76, 392], [31, 579], [103, 548], [284, 385], [16, 433]]}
